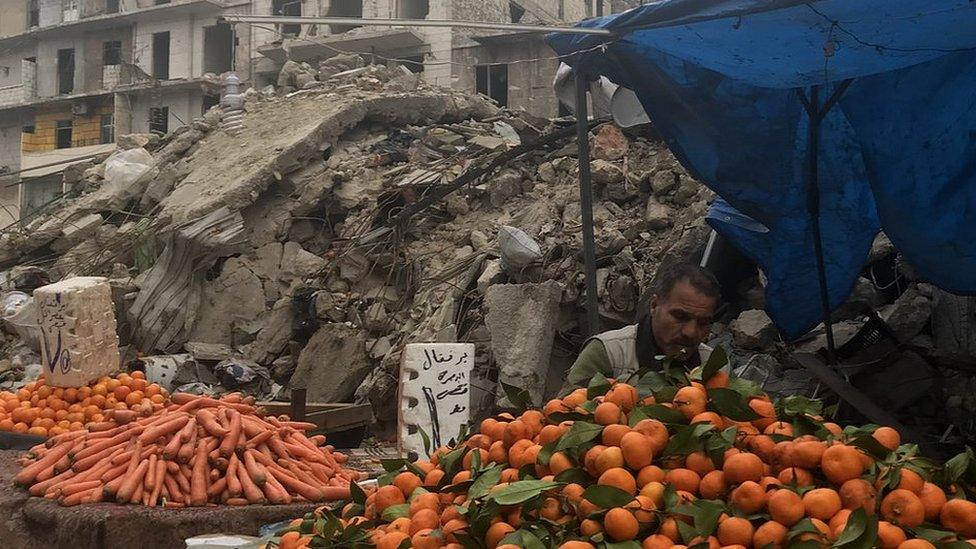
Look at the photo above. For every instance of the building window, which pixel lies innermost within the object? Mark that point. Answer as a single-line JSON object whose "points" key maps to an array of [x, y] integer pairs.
{"points": [[111, 6], [161, 2], [345, 8], [516, 11], [413, 9], [69, 10], [492, 80], [160, 54], [112, 52], [218, 48], [33, 14], [159, 120], [39, 192], [62, 134], [287, 8], [28, 129], [108, 128], [66, 71], [208, 102]]}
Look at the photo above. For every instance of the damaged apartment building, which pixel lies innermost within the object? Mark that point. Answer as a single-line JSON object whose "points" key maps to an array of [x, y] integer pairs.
{"points": [[76, 74]]}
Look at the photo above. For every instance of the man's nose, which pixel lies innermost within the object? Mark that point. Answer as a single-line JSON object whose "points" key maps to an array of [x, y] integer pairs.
{"points": [[690, 330]]}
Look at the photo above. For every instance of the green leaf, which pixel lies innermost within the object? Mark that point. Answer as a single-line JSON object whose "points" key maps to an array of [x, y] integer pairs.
{"points": [[636, 416], [798, 406], [598, 386], [744, 387], [519, 397], [559, 417], [716, 361], [623, 545], [426, 438], [452, 461], [729, 403], [861, 531], [805, 526], [545, 454], [686, 531], [664, 414], [357, 494], [931, 534], [607, 496], [521, 491], [523, 538], [871, 446], [574, 475], [580, 433], [806, 544], [393, 465], [657, 384], [394, 512], [687, 439], [956, 467], [707, 519], [386, 478]]}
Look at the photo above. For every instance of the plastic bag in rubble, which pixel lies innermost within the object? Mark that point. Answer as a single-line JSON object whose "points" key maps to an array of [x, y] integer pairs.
{"points": [[197, 388], [518, 249], [123, 168], [234, 373], [223, 541]]}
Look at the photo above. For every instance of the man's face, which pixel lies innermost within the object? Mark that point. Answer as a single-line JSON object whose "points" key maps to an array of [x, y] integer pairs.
{"points": [[681, 320]]}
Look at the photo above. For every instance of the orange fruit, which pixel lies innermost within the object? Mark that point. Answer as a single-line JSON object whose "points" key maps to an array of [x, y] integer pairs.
{"points": [[391, 540], [839, 522], [387, 496], [888, 437], [623, 395], [658, 541], [713, 485], [39, 431], [643, 508], [711, 541], [636, 448], [779, 428], [858, 493], [496, 532], [619, 478], [841, 463], [559, 462], [699, 463], [590, 527], [785, 506], [916, 543], [407, 482], [613, 434], [651, 473], [718, 379], [422, 501], [690, 401], [427, 539], [607, 413], [765, 410], [656, 431], [903, 508], [742, 467], [735, 531], [959, 516], [575, 398], [654, 491], [99, 389], [611, 458], [576, 544], [795, 476], [683, 479], [749, 497], [515, 431], [424, 519], [933, 499], [21, 427], [889, 535], [821, 503], [807, 454], [709, 417], [770, 535], [911, 481], [620, 524]]}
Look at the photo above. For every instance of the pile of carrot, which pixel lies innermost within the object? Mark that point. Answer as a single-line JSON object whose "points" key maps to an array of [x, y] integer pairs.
{"points": [[196, 451]]}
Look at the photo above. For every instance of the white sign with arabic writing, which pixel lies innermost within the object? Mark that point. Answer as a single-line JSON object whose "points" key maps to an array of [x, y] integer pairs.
{"points": [[435, 394]]}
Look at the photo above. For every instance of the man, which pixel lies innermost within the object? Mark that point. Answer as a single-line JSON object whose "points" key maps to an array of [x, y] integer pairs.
{"points": [[681, 314]]}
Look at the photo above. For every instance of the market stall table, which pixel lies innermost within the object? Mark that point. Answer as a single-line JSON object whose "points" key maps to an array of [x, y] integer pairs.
{"points": [[28, 522]]}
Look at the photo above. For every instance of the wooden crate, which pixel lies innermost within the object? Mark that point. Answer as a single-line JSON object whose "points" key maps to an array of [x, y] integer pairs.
{"points": [[329, 417]]}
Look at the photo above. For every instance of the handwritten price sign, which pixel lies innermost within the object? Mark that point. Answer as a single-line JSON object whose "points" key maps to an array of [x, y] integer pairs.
{"points": [[435, 394]]}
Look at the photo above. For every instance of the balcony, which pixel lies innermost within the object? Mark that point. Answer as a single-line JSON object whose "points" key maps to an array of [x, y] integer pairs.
{"points": [[25, 92]]}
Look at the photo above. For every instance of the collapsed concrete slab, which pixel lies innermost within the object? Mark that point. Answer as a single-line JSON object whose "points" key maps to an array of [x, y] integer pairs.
{"points": [[333, 364]]}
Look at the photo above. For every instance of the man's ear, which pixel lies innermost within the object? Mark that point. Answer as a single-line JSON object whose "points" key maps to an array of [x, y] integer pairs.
{"points": [[654, 303]]}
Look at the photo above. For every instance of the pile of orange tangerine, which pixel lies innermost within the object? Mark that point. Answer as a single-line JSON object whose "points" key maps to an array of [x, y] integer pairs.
{"points": [[40, 409], [773, 489]]}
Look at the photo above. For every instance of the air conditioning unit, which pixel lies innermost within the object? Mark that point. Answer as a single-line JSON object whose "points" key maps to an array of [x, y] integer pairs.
{"points": [[79, 108]]}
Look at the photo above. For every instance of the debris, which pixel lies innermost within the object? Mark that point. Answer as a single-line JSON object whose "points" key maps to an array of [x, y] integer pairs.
{"points": [[503, 187], [609, 143], [753, 329], [518, 250], [657, 215], [333, 364], [605, 173], [663, 182], [909, 314], [492, 274]]}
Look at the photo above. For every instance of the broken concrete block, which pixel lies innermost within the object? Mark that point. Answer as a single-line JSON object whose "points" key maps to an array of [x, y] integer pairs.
{"points": [[376, 319], [609, 143], [656, 215], [133, 141], [76, 231], [754, 330], [663, 181], [214, 352], [333, 364], [76, 319], [864, 298], [479, 240], [687, 191], [881, 248], [275, 334], [546, 172], [377, 348], [492, 274], [522, 319], [952, 327], [235, 296], [605, 173], [908, 315], [435, 394], [622, 191], [503, 187]]}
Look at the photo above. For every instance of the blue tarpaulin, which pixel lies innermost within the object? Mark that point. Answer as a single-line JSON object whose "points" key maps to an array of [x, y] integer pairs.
{"points": [[722, 81]]}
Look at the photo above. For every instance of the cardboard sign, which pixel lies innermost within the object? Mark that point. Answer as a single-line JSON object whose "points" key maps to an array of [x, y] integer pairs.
{"points": [[435, 394]]}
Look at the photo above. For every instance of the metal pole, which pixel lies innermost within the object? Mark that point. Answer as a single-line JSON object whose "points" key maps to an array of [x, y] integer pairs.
{"points": [[599, 8], [813, 189], [586, 204], [292, 20], [298, 397]]}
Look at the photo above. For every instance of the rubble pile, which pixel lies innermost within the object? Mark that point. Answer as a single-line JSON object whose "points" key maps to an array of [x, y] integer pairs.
{"points": [[360, 209]]}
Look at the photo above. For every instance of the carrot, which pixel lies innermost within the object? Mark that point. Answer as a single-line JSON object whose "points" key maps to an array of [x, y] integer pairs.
{"points": [[95, 496], [160, 430], [111, 487], [151, 474], [335, 493], [229, 444], [113, 472], [57, 439], [257, 473], [215, 474], [174, 505], [48, 472], [236, 501], [38, 489], [210, 424], [299, 451], [186, 451], [340, 457], [307, 491], [217, 487], [173, 491], [80, 487], [233, 483], [182, 398], [190, 428], [321, 472], [74, 499], [172, 447], [131, 481], [100, 426], [104, 444], [198, 478], [138, 493], [27, 475], [251, 491], [276, 492], [259, 439], [300, 425], [317, 440], [202, 402], [122, 417]]}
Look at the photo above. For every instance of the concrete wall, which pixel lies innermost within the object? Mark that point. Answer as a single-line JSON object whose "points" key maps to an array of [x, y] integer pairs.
{"points": [[184, 106], [12, 59], [93, 50], [47, 63], [13, 17], [50, 12], [85, 130], [10, 125], [181, 46]]}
